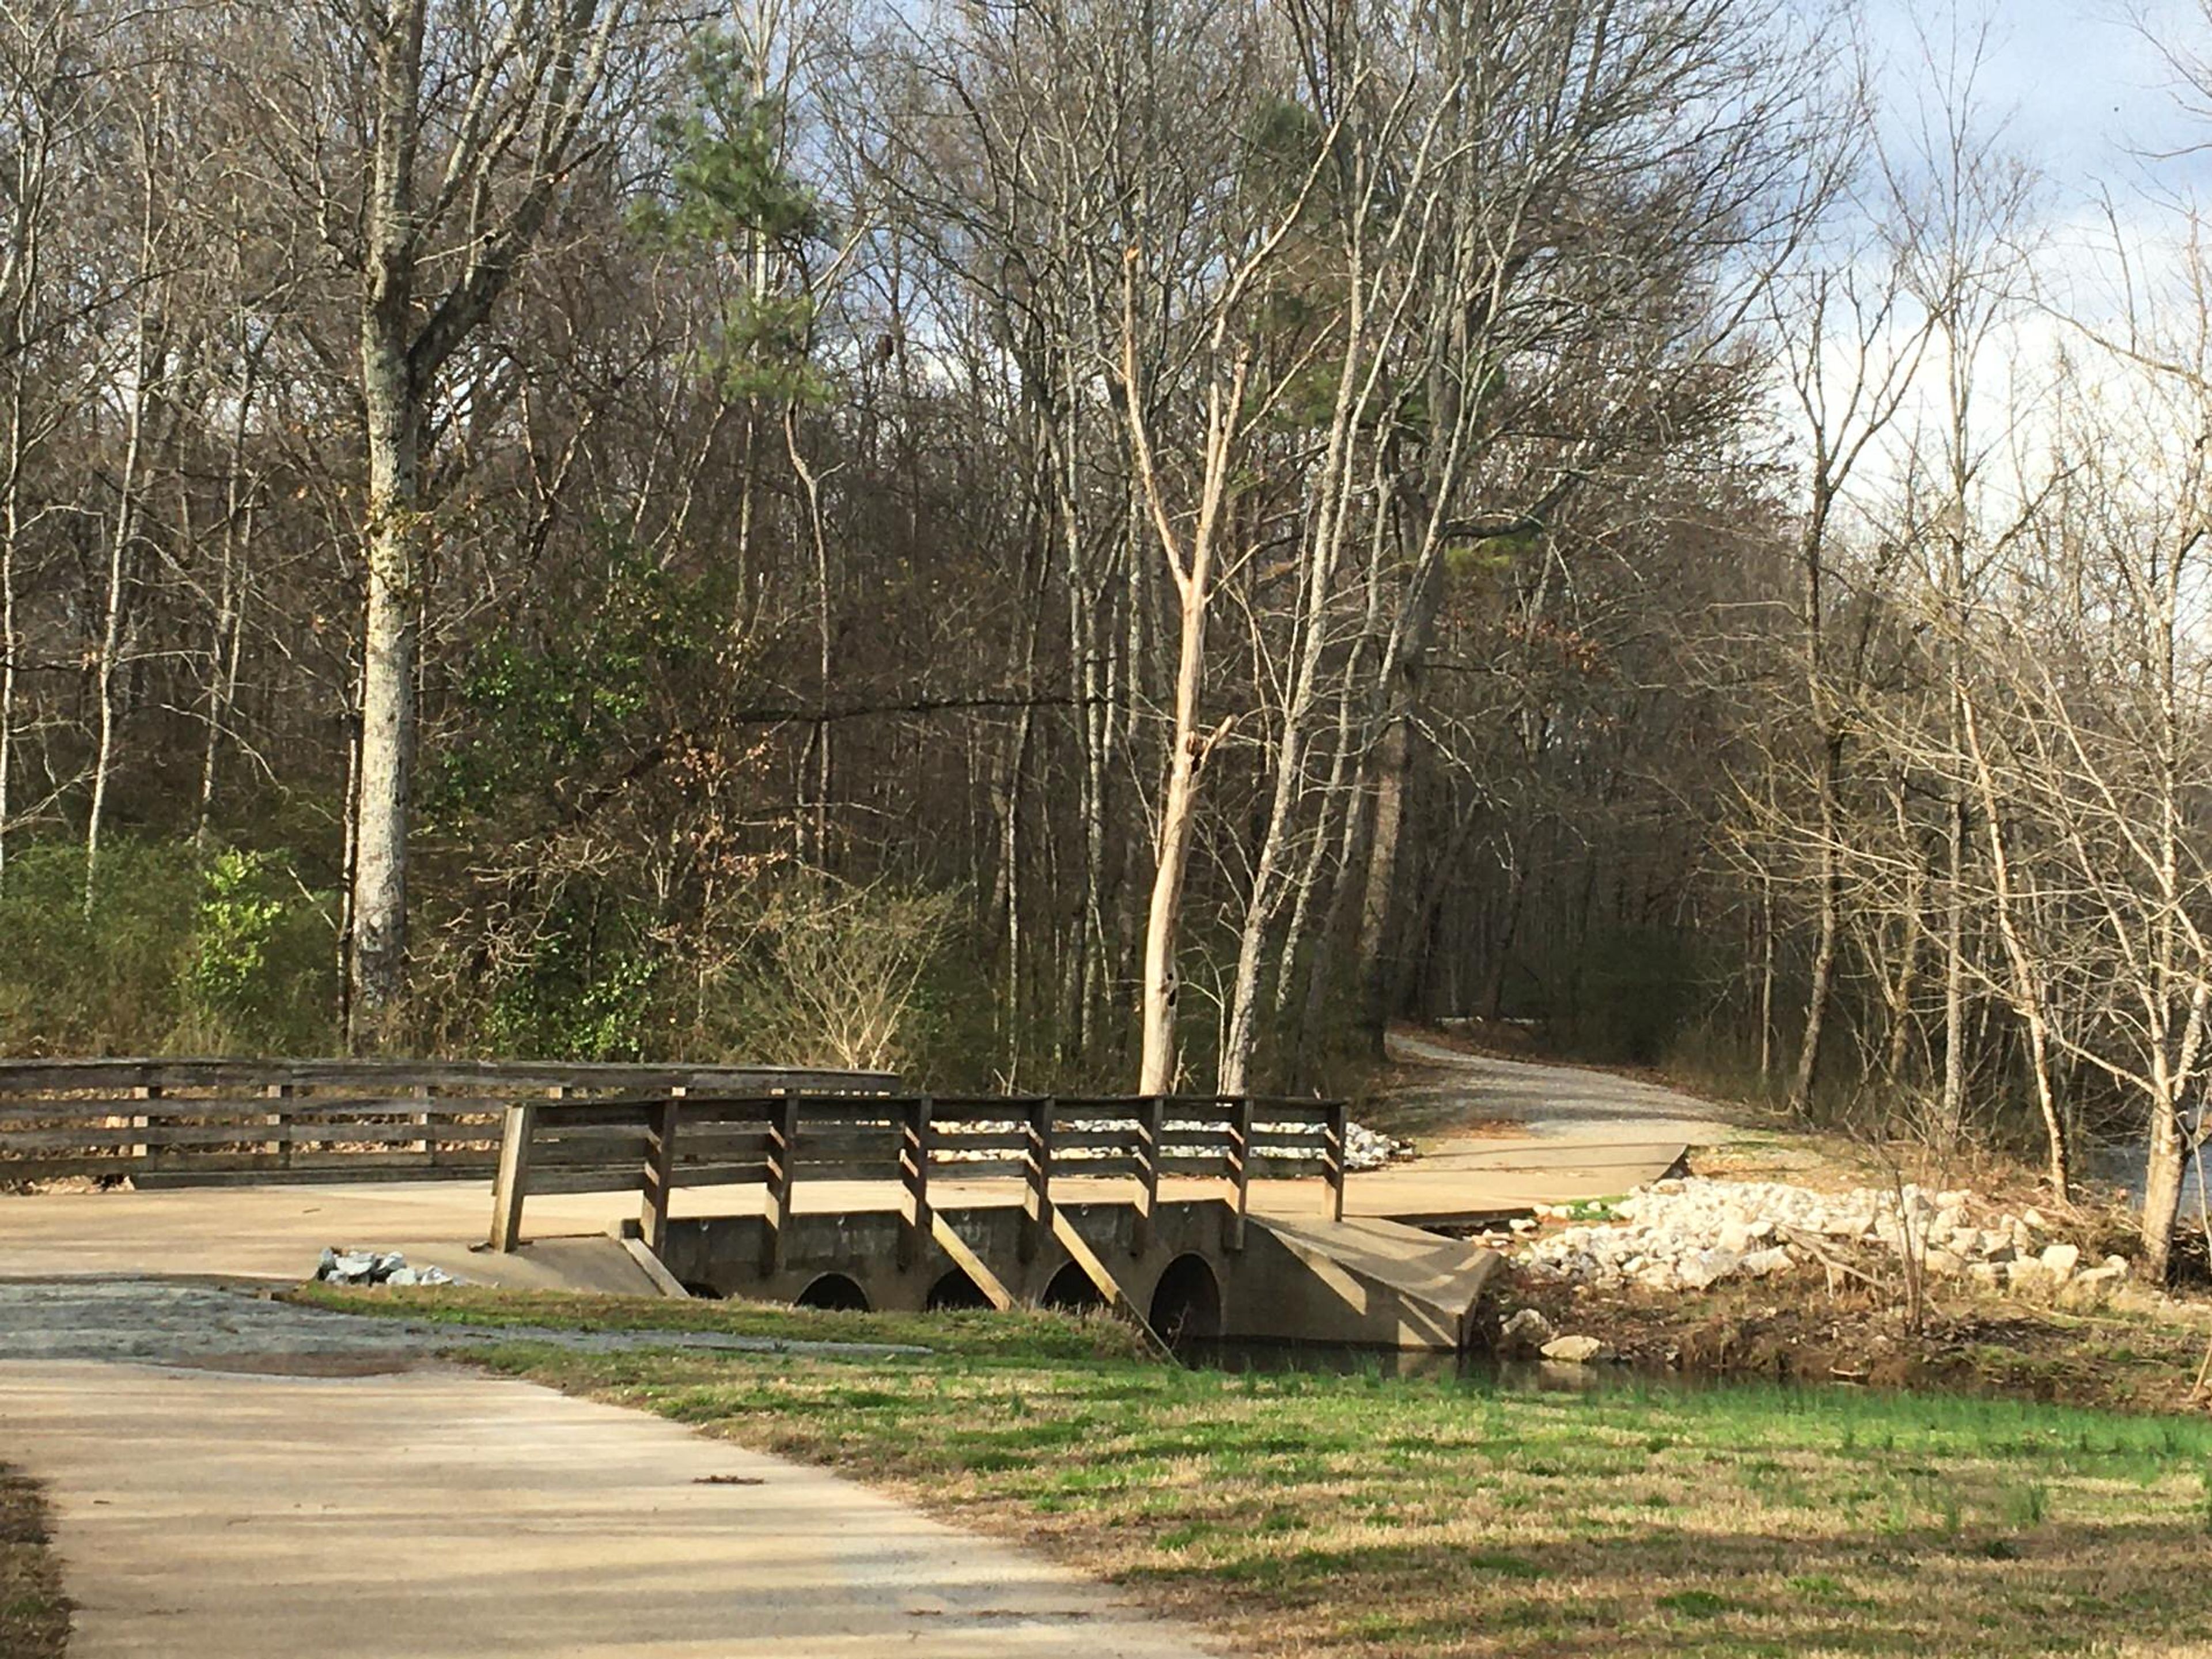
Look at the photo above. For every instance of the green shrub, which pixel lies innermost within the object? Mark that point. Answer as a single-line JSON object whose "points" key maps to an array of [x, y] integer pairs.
{"points": [[178, 955], [575, 995], [261, 975], [107, 982]]}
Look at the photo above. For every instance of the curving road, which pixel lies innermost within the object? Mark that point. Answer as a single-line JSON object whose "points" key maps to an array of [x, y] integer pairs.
{"points": [[1565, 1103]]}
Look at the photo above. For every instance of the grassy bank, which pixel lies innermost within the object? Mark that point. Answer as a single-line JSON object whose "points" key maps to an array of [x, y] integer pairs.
{"points": [[1028, 1333], [35, 1614], [2139, 1355], [1353, 1514]]}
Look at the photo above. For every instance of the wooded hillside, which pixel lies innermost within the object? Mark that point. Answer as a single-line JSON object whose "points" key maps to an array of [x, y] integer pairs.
{"points": [[1128, 540]]}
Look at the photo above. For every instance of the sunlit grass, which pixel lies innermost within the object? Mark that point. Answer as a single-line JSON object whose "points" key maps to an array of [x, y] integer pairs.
{"points": [[1302, 1513], [1029, 1334]]}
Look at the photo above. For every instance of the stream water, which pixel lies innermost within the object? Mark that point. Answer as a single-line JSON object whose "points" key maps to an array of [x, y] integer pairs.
{"points": [[2125, 1166], [1483, 1369]]}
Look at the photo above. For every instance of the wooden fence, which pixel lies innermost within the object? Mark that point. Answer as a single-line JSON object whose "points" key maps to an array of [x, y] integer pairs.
{"points": [[695, 1139], [211, 1122]]}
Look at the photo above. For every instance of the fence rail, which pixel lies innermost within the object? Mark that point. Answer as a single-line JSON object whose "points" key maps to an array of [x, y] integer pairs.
{"points": [[696, 1138], [208, 1121]]}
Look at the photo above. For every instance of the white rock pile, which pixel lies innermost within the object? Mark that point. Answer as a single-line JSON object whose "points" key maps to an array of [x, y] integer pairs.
{"points": [[1370, 1149], [1363, 1148], [375, 1267], [1688, 1234]]}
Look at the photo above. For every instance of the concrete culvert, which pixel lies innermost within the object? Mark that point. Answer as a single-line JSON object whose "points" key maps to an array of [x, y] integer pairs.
{"points": [[955, 1290], [1071, 1291], [835, 1291], [1187, 1301]]}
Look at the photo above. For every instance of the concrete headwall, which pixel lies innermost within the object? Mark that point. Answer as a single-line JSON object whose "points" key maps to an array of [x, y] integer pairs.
{"points": [[1368, 1284]]}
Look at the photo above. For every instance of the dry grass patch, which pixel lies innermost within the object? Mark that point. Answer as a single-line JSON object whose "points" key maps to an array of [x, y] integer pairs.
{"points": [[35, 1614], [1303, 1514]]}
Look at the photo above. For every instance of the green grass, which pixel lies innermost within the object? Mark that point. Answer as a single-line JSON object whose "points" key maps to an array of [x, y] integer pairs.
{"points": [[35, 1614], [1593, 1209], [1356, 1514], [1028, 1335]]}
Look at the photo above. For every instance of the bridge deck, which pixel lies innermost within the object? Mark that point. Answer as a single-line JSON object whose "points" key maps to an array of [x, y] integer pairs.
{"points": [[274, 1232]]}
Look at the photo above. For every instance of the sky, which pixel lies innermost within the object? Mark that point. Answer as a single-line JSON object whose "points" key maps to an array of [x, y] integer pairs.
{"points": [[2085, 87], [2082, 94]]}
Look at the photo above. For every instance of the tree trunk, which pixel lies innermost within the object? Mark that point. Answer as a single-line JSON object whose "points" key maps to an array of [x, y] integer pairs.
{"points": [[817, 755], [1766, 966], [556, 59], [1289, 763], [230, 608], [11, 531], [2163, 1179], [392, 533], [1822, 990], [1955, 969], [1509, 931], [1906, 984], [391, 641], [1178, 817], [1259, 908], [111, 620], [2028, 985], [22, 264], [1393, 764]]}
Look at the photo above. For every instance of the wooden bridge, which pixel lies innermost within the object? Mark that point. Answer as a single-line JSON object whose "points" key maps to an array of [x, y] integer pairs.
{"points": [[998, 1152], [228, 1121], [1220, 1216]]}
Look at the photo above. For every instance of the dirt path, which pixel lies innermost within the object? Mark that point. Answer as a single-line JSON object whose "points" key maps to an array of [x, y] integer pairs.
{"points": [[1555, 1102], [429, 1512]]}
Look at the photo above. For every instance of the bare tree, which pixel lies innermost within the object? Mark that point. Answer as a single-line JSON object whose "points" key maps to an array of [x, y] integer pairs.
{"points": [[1854, 342], [474, 114], [49, 93]]}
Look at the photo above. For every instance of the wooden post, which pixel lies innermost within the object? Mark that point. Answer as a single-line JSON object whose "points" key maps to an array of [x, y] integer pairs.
{"points": [[281, 1146], [513, 1183], [1149, 1128], [782, 1173], [659, 1172], [914, 1179], [964, 1257], [1333, 1157], [139, 1152], [1036, 1171], [427, 1147], [1240, 1167], [1102, 1277]]}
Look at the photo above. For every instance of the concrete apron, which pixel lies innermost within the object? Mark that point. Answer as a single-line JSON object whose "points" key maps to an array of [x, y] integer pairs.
{"points": [[435, 1512]]}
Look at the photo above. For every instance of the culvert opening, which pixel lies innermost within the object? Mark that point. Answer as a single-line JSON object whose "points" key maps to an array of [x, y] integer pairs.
{"points": [[835, 1291], [955, 1290], [1186, 1302], [1071, 1291]]}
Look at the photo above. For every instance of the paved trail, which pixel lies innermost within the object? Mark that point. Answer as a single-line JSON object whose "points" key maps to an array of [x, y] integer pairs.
{"points": [[1553, 1103], [423, 1511], [435, 1514], [209, 1505]]}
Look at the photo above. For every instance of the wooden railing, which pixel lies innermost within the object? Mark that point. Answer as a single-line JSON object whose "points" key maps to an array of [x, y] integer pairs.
{"points": [[218, 1121], [696, 1139]]}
